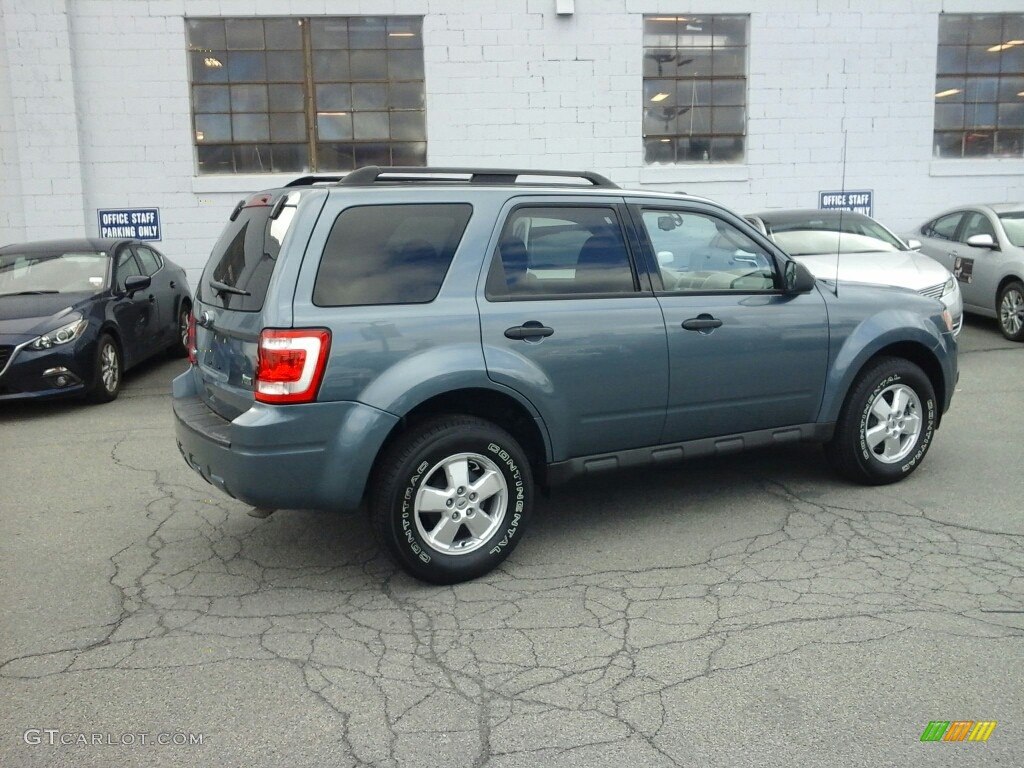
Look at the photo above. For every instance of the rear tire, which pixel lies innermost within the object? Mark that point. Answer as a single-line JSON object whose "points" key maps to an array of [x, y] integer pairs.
{"points": [[180, 346], [108, 371], [886, 424], [1010, 311], [451, 498]]}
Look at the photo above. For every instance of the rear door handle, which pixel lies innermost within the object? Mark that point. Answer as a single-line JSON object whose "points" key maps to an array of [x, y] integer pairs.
{"points": [[529, 330], [702, 322]]}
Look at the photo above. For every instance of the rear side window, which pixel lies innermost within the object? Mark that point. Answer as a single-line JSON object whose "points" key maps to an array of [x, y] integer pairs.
{"points": [[243, 259], [944, 228], [389, 254], [148, 259]]}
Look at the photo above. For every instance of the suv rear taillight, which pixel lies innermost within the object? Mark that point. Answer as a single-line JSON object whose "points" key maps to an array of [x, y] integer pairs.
{"points": [[191, 341], [290, 364]]}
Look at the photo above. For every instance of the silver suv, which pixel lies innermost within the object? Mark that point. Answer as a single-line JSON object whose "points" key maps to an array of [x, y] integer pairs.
{"points": [[439, 342]]}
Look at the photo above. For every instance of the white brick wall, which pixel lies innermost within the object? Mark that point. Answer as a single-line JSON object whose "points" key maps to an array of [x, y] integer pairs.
{"points": [[94, 105]]}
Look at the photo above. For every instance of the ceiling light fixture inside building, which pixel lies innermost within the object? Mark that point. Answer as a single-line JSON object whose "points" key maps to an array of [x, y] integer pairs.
{"points": [[943, 94], [659, 97], [1005, 46], [210, 61]]}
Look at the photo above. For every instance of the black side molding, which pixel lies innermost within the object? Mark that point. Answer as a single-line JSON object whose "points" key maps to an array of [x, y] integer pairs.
{"points": [[561, 471]]}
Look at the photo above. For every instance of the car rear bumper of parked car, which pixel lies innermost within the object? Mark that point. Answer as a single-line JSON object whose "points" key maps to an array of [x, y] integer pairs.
{"points": [[278, 457]]}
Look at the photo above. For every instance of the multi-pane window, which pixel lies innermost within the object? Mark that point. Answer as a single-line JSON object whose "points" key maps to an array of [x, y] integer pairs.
{"points": [[979, 88], [695, 89], [299, 94]]}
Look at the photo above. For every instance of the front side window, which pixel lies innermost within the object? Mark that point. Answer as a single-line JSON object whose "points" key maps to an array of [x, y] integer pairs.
{"points": [[695, 89], [127, 266], [389, 254], [698, 253], [560, 251], [979, 88], [276, 95]]}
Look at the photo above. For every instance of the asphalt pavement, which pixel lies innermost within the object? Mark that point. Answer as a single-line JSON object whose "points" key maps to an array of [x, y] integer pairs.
{"points": [[747, 610]]}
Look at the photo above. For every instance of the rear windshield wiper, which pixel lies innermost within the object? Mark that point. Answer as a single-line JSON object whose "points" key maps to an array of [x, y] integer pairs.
{"points": [[221, 288], [27, 293]]}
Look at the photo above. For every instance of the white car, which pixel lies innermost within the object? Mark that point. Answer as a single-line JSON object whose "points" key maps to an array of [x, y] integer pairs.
{"points": [[851, 247], [983, 245]]}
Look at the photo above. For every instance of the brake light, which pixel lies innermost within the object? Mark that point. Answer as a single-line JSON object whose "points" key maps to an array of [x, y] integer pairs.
{"points": [[191, 342], [290, 364]]}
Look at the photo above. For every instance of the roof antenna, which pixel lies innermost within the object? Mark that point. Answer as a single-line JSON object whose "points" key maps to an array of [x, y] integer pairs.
{"points": [[842, 210]]}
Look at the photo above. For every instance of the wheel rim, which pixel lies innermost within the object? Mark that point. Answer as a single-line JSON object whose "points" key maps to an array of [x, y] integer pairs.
{"points": [[110, 371], [183, 327], [893, 424], [1011, 311], [461, 502]]}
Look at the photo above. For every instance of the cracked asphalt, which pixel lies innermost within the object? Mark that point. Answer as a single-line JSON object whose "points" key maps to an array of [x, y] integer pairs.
{"points": [[749, 610]]}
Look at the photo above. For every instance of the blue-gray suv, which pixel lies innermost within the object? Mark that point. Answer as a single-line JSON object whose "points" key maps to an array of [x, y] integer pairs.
{"points": [[438, 342]]}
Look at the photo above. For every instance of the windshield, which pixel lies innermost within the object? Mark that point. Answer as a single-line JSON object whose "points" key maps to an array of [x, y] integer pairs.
{"points": [[41, 272], [815, 242], [1013, 224]]}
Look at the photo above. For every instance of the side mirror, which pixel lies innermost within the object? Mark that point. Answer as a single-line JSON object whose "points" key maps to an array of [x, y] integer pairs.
{"points": [[982, 241], [914, 245], [134, 283], [796, 278]]}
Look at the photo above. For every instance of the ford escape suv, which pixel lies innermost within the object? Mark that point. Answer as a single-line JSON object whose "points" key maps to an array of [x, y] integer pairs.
{"points": [[437, 343]]}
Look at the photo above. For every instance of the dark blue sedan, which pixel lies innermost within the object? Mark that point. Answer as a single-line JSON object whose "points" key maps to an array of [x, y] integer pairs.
{"points": [[76, 314]]}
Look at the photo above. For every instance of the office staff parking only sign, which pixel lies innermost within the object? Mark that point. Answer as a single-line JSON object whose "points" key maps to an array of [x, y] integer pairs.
{"points": [[860, 201], [136, 223]]}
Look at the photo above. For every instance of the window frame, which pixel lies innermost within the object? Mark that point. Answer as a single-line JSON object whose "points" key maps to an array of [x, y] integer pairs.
{"points": [[395, 72], [377, 304], [991, 117], [495, 269], [710, 141], [742, 226]]}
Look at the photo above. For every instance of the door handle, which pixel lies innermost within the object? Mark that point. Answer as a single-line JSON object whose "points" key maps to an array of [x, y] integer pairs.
{"points": [[173, 284], [529, 330], [702, 322], [152, 299]]}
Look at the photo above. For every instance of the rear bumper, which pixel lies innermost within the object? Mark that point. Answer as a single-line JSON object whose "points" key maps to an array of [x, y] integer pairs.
{"points": [[309, 456]]}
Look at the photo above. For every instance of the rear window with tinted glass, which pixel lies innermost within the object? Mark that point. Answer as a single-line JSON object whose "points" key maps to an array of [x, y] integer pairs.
{"points": [[244, 259], [389, 254]]}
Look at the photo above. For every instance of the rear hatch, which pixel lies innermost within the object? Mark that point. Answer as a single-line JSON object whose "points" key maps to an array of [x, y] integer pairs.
{"points": [[230, 298]]}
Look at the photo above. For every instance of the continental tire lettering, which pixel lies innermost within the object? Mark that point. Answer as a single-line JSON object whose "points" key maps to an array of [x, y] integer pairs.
{"points": [[926, 438], [513, 527], [407, 527]]}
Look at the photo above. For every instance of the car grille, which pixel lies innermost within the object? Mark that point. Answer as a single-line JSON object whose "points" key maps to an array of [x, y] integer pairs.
{"points": [[5, 354], [934, 292]]}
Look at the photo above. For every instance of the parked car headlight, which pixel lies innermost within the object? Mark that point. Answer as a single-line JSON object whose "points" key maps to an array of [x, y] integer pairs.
{"points": [[949, 287], [63, 335]]}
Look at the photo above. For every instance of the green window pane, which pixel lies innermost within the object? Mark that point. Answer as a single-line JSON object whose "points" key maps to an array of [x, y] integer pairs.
{"points": [[250, 127], [244, 34], [211, 98], [334, 97], [287, 126], [205, 34], [334, 126], [285, 66], [408, 126], [211, 129], [286, 98], [249, 98]]}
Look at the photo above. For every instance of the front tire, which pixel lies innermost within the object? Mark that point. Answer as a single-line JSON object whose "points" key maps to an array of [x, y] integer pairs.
{"points": [[451, 498], [886, 424], [1010, 310], [108, 371]]}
